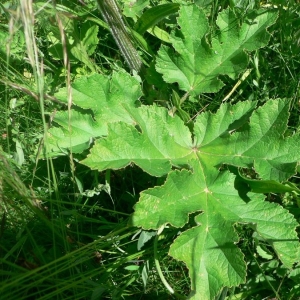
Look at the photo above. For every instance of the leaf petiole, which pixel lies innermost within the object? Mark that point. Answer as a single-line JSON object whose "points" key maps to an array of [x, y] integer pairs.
{"points": [[158, 268]]}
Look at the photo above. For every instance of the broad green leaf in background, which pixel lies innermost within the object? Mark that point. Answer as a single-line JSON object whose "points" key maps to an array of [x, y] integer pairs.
{"points": [[134, 8], [89, 37], [203, 3], [149, 19], [268, 186], [76, 138], [235, 135], [153, 15], [84, 45], [97, 101], [14, 45], [81, 41], [195, 64]]}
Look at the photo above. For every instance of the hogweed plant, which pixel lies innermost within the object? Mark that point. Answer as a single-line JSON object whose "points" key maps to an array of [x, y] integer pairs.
{"points": [[204, 161]]}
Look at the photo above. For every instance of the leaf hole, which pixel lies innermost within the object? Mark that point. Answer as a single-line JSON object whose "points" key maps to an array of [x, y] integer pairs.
{"points": [[138, 128]]}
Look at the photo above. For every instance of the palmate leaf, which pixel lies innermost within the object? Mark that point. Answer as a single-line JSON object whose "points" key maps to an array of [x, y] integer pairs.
{"points": [[195, 64], [97, 101], [198, 181], [236, 135]]}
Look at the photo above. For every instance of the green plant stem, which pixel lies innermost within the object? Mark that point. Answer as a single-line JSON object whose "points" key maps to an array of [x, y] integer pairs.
{"points": [[173, 110], [107, 177], [113, 17], [264, 275], [158, 268]]}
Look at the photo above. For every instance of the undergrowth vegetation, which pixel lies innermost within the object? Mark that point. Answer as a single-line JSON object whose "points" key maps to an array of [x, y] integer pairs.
{"points": [[149, 149]]}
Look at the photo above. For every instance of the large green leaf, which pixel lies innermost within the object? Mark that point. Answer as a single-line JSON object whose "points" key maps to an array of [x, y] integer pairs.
{"points": [[236, 135], [195, 64]]}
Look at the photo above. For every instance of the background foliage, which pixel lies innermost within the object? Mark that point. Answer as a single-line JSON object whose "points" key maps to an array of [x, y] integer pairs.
{"points": [[66, 228]]}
